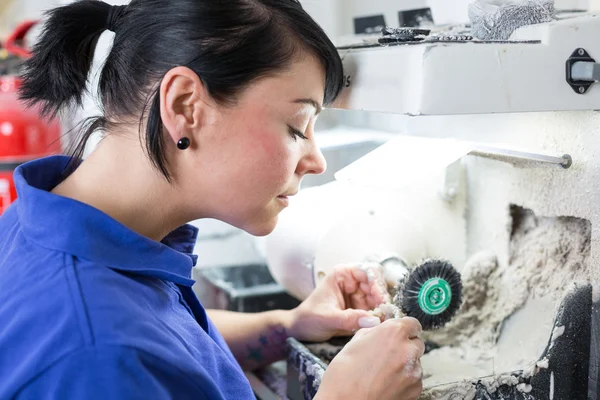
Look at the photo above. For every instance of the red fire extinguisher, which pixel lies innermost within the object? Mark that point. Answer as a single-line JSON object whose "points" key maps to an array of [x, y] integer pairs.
{"points": [[24, 134]]}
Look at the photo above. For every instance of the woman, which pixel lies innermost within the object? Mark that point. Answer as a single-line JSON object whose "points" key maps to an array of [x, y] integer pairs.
{"points": [[209, 109]]}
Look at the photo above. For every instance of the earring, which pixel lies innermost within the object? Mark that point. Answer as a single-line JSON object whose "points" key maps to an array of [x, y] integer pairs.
{"points": [[183, 144]]}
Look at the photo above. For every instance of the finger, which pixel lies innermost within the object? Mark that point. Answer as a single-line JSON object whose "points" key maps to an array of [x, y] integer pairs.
{"points": [[368, 322], [356, 274], [374, 295], [420, 346], [376, 288], [360, 277], [346, 281], [416, 388], [410, 327], [371, 289], [361, 333], [359, 301], [378, 295], [352, 320], [418, 370], [413, 368], [335, 274], [413, 327], [358, 335], [358, 291], [371, 301], [359, 274], [365, 287]]}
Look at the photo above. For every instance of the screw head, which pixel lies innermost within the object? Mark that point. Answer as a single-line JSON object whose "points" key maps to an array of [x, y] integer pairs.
{"points": [[581, 52], [581, 89], [435, 296]]}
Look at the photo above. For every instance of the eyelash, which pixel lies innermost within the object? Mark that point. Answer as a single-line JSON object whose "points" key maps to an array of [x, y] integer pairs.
{"points": [[296, 133]]}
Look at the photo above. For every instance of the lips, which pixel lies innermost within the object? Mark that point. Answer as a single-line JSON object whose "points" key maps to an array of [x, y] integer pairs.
{"points": [[283, 200]]}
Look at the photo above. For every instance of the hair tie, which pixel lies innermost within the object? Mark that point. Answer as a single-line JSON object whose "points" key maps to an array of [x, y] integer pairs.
{"points": [[114, 15]]}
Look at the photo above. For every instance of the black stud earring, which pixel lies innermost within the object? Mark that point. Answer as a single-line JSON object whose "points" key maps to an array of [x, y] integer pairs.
{"points": [[183, 144]]}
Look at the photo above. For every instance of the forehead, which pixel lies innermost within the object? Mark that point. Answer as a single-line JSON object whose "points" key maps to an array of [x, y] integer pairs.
{"points": [[303, 78]]}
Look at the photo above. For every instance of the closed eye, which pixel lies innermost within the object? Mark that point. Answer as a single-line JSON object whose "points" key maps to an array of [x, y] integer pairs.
{"points": [[296, 133]]}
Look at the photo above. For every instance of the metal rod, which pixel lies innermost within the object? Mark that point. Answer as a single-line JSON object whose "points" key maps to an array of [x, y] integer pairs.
{"points": [[585, 71], [520, 158]]}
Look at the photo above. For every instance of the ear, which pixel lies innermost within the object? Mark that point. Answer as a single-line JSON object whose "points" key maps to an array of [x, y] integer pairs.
{"points": [[182, 103]]}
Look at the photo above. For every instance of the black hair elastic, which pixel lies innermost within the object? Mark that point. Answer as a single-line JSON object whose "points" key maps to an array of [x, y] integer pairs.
{"points": [[183, 144], [114, 15]]}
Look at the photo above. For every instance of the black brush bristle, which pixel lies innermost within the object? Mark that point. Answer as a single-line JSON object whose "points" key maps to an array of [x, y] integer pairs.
{"points": [[407, 297]]}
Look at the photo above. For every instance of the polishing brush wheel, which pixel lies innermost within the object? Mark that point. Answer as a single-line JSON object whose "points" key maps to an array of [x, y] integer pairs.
{"points": [[432, 294]]}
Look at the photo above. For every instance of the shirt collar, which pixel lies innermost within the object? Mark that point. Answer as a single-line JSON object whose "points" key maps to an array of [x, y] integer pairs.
{"points": [[72, 227]]}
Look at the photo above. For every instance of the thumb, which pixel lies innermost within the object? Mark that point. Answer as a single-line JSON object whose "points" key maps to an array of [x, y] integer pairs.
{"points": [[352, 320]]}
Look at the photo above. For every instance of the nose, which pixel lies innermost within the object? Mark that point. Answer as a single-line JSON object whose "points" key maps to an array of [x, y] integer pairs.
{"points": [[313, 162]]}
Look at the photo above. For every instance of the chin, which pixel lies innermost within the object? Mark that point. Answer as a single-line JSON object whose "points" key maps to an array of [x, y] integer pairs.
{"points": [[262, 228]]}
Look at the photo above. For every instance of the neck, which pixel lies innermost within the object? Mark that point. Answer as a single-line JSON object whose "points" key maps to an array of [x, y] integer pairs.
{"points": [[119, 180]]}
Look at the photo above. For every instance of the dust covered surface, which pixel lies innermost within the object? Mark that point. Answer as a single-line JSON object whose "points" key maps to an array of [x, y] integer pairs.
{"points": [[497, 20], [508, 311], [326, 351], [492, 347]]}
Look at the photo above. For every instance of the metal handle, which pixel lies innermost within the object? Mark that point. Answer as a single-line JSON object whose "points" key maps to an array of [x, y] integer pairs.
{"points": [[582, 71], [521, 158], [586, 71]]}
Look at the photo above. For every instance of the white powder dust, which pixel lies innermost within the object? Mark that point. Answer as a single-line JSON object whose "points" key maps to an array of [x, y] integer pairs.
{"points": [[376, 275], [462, 392], [497, 20], [558, 332], [325, 351], [524, 388], [543, 364], [314, 371], [535, 367], [508, 311]]}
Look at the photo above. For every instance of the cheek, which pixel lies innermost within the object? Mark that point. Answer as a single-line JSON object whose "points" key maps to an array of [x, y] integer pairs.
{"points": [[272, 157], [258, 156], [251, 159]]}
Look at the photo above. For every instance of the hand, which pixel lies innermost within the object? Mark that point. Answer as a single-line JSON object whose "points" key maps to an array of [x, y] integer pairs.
{"points": [[378, 363], [337, 307]]}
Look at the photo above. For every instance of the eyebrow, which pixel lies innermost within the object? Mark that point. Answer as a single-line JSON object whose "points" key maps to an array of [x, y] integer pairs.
{"points": [[311, 102]]}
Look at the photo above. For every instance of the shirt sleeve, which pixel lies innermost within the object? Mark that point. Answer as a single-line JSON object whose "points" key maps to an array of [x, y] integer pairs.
{"points": [[116, 372]]}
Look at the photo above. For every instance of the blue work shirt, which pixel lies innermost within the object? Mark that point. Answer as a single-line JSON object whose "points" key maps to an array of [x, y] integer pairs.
{"points": [[90, 309]]}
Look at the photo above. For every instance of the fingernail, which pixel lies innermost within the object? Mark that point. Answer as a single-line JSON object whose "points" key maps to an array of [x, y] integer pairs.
{"points": [[368, 322]]}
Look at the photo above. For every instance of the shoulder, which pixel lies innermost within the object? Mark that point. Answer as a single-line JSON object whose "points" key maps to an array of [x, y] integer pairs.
{"points": [[125, 308], [116, 371]]}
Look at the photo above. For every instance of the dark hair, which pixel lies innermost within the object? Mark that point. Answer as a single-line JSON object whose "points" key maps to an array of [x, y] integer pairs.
{"points": [[228, 43]]}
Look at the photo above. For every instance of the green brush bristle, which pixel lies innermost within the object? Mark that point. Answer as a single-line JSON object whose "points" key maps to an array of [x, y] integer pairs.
{"points": [[432, 294]]}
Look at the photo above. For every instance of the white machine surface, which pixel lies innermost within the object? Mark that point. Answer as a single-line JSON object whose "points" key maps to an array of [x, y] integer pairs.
{"points": [[340, 223], [485, 127], [441, 77], [337, 224]]}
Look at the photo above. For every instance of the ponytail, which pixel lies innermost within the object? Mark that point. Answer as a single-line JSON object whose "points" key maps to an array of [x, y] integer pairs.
{"points": [[56, 75]]}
